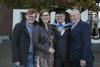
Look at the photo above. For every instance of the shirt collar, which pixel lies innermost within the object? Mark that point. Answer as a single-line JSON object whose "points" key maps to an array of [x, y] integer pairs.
{"points": [[62, 23], [29, 25], [75, 23]]}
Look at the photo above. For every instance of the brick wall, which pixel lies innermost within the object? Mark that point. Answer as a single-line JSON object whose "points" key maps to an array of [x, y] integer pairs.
{"points": [[5, 20]]}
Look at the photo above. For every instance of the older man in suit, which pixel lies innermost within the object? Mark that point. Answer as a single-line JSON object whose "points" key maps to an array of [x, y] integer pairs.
{"points": [[80, 46]]}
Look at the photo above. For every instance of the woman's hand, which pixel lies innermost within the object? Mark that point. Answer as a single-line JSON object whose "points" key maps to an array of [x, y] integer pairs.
{"points": [[82, 63], [51, 50], [17, 63]]}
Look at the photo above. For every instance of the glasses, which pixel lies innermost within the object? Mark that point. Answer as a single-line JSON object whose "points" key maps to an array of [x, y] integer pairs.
{"points": [[32, 16], [45, 15], [60, 16]]}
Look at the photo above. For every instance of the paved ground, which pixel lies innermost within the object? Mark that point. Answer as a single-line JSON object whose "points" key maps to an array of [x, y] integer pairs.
{"points": [[5, 57], [97, 59]]}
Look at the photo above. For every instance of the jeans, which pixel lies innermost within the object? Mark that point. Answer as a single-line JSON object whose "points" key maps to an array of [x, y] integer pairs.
{"points": [[29, 62]]}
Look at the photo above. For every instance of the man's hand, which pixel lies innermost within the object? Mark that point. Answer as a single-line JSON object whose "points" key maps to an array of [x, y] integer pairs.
{"points": [[51, 50], [82, 63], [17, 63]]}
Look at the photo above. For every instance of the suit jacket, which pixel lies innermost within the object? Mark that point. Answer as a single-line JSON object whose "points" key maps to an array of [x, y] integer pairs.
{"points": [[80, 45], [20, 43]]}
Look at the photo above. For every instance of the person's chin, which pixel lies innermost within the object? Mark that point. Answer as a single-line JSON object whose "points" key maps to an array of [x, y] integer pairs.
{"points": [[31, 22]]}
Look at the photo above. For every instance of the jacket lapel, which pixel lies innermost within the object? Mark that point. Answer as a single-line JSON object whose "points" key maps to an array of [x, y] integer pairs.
{"points": [[24, 28], [76, 26]]}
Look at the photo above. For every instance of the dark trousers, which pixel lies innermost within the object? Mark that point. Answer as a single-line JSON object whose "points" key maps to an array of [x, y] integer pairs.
{"points": [[74, 64], [61, 63]]}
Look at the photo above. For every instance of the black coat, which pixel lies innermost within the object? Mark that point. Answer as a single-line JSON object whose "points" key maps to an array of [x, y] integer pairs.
{"points": [[61, 43], [80, 47], [61, 46], [20, 43]]}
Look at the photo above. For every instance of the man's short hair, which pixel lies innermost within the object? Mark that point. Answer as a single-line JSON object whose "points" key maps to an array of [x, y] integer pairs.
{"points": [[60, 11], [31, 11], [71, 11]]}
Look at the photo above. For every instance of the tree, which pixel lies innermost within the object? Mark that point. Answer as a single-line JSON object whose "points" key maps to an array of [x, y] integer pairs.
{"points": [[75, 3], [40, 4]]}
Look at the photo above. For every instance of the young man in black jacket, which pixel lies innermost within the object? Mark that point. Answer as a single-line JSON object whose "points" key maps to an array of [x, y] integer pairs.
{"points": [[22, 47]]}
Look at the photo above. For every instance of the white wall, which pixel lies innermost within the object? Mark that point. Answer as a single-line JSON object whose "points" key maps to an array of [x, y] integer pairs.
{"points": [[84, 15], [52, 20], [17, 15], [99, 20]]}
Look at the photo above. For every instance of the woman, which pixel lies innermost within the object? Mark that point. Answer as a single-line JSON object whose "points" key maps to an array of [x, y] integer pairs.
{"points": [[42, 41]]}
